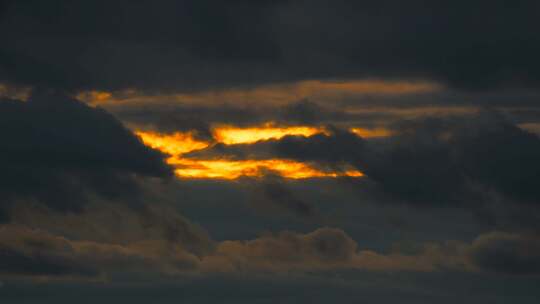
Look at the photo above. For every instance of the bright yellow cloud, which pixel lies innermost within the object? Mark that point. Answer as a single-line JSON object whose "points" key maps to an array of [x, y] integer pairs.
{"points": [[178, 144], [233, 169], [234, 135], [172, 144]]}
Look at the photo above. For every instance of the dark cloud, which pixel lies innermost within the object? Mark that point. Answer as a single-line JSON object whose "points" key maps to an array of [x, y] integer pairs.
{"points": [[62, 154], [187, 34], [507, 253], [59, 151], [371, 111], [26, 253], [309, 112], [175, 229], [273, 194], [174, 117], [432, 160], [500, 155], [447, 156], [259, 150], [36, 253], [17, 263], [32, 252], [336, 148], [330, 244], [414, 166], [63, 163], [185, 45], [286, 251]]}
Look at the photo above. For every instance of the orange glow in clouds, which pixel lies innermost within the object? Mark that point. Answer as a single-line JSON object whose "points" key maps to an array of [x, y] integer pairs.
{"points": [[180, 143], [367, 133], [233, 135], [172, 144], [233, 169], [275, 94]]}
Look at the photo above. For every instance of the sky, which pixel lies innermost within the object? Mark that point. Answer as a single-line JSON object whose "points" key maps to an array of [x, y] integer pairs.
{"points": [[259, 151]]}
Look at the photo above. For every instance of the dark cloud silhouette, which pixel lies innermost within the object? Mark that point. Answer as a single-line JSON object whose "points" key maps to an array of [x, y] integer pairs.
{"points": [[309, 112], [17, 263], [286, 251], [29, 252], [507, 253], [175, 229], [273, 194], [434, 160], [36, 253], [63, 163], [186, 45], [174, 117], [444, 157], [501, 155], [59, 151], [338, 147]]}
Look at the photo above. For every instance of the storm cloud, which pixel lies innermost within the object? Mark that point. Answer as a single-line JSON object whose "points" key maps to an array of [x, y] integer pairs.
{"points": [[60, 152], [186, 45], [507, 253], [435, 160]]}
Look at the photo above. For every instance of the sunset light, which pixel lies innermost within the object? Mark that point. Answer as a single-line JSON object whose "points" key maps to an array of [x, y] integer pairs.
{"points": [[179, 143], [234, 135]]}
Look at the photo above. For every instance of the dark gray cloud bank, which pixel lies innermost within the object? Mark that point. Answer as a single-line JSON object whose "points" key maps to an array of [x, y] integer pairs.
{"points": [[59, 151], [431, 160], [185, 45], [448, 210]]}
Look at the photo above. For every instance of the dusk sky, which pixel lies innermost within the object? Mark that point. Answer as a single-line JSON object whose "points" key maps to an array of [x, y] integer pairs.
{"points": [[258, 151]]}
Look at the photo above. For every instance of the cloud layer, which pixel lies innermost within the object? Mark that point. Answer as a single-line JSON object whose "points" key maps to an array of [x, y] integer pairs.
{"points": [[316, 151], [60, 152], [186, 45]]}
